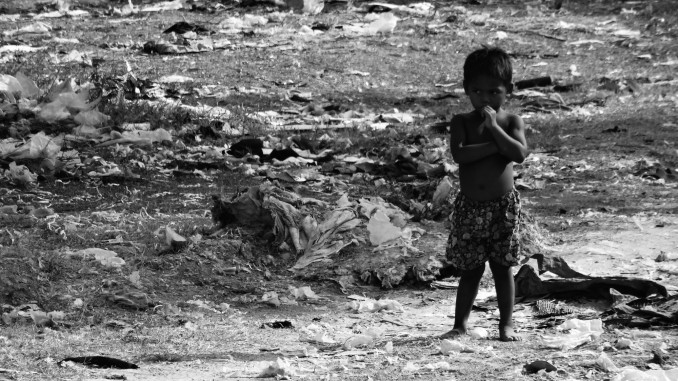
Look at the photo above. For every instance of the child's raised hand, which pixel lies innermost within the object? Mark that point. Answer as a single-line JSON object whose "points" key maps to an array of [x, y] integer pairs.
{"points": [[490, 116]]}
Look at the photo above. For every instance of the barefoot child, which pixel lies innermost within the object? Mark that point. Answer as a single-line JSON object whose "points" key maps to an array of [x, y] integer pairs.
{"points": [[485, 143]]}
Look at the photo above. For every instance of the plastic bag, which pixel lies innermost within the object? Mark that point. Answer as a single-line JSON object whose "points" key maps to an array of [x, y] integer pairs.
{"points": [[358, 341], [566, 342], [593, 326], [651, 375], [606, 363], [478, 333], [20, 174], [451, 346]]}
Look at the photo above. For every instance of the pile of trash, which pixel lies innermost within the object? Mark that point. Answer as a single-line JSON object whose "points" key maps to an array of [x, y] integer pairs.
{"points": [[294, 227]]}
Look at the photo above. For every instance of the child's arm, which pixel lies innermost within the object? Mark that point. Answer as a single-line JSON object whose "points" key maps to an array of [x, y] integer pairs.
{"points": [[511, 144], [463, 153]]}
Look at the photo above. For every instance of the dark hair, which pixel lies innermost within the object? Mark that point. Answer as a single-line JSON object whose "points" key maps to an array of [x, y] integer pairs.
{"points": [[490, 61]]}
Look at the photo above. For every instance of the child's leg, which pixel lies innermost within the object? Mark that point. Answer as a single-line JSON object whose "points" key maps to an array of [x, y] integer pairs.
{"points": [[466, 295], [505, 287]]}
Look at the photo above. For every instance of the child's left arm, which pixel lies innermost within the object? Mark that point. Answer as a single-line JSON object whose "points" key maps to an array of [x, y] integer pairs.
{"points": [[511, 143]]}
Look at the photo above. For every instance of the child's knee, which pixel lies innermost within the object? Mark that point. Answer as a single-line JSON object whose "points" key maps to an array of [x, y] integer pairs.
{"points": [[499, 269], [473, 273]]}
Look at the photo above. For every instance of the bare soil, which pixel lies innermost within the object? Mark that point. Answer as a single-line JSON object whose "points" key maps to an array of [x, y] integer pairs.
{"points": [[602, 208]]}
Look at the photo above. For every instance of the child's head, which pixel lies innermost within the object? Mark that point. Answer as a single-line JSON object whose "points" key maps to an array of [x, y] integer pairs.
{"points": [[488, 75], [491, 62]]}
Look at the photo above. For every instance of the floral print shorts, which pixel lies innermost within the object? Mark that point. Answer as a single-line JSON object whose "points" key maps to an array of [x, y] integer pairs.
{"points": [[485, 230]]}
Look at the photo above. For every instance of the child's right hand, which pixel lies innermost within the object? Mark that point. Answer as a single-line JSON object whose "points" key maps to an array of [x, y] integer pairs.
{"points": [[490, 116]]}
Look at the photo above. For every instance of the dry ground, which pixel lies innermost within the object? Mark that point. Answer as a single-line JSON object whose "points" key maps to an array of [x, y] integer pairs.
{"points": [[596, 208]]}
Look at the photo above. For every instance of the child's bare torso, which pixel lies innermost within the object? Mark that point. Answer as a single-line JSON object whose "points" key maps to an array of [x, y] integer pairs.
{"points": [[490, 177]]}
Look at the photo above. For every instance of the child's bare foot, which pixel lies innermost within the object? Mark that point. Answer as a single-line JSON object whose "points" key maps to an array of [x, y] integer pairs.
{"points": [[453, 334], [508, 334]]}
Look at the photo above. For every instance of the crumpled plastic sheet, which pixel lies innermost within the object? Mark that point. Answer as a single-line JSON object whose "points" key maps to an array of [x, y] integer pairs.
{"points": [[370, 305], [20, 174], [269, 206], [38, 146], [632, 374], [321, 239], [138, 137]]}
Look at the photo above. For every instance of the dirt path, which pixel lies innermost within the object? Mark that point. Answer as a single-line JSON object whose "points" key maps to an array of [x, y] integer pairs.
{"points": [[627, 246]]}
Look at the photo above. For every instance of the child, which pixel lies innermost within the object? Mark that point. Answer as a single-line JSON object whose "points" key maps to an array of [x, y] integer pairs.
{"points": [[485, 142]]}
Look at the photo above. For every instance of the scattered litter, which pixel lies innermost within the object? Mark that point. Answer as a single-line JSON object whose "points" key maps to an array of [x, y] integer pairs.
{"points": [[281, 368], [175, 241], [41, 319], [278, 324], [451, 346], [376, 305], [315, 334], [271, 297], [357, 341], [594, 327], [164, 6], [303, 293], [99, 362], [175, 78], [605, 363], [632, 374], [623, 343], [107, 258], [478, 333], [20, 175], [381, 229], [566, 342], [539, 365]]}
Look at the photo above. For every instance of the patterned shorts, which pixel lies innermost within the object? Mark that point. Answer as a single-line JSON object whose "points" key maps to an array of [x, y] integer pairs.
{"points": [[485, 230]]}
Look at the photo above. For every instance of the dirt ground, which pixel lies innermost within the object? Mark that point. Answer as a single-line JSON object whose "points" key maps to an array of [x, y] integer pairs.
{"points": [[599, 185]]}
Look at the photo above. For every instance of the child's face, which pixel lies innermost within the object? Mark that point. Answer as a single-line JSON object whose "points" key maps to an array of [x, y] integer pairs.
{"points": [[484, 91]]}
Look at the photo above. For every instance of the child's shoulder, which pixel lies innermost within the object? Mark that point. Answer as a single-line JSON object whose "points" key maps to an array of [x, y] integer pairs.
{"points": [[512, 116]]}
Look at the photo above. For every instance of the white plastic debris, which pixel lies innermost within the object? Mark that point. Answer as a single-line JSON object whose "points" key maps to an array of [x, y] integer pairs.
{"points": [[376, 305], [606, 363], [631, 374], [174, 239], [381, 229], [442, 191], [10, 88], [107, 258], [20, 174], [440, 365], [623, 343], [91, 118], [314, 333], [39, 146], [374, 332], [565, 342], [451, 346], [175, 78], [302, 293], [164, 6], [388, 348], [271, 297], [313, 7], [357, 341], [478, 333], [280, 368], [386, 23], [594, 327]]}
